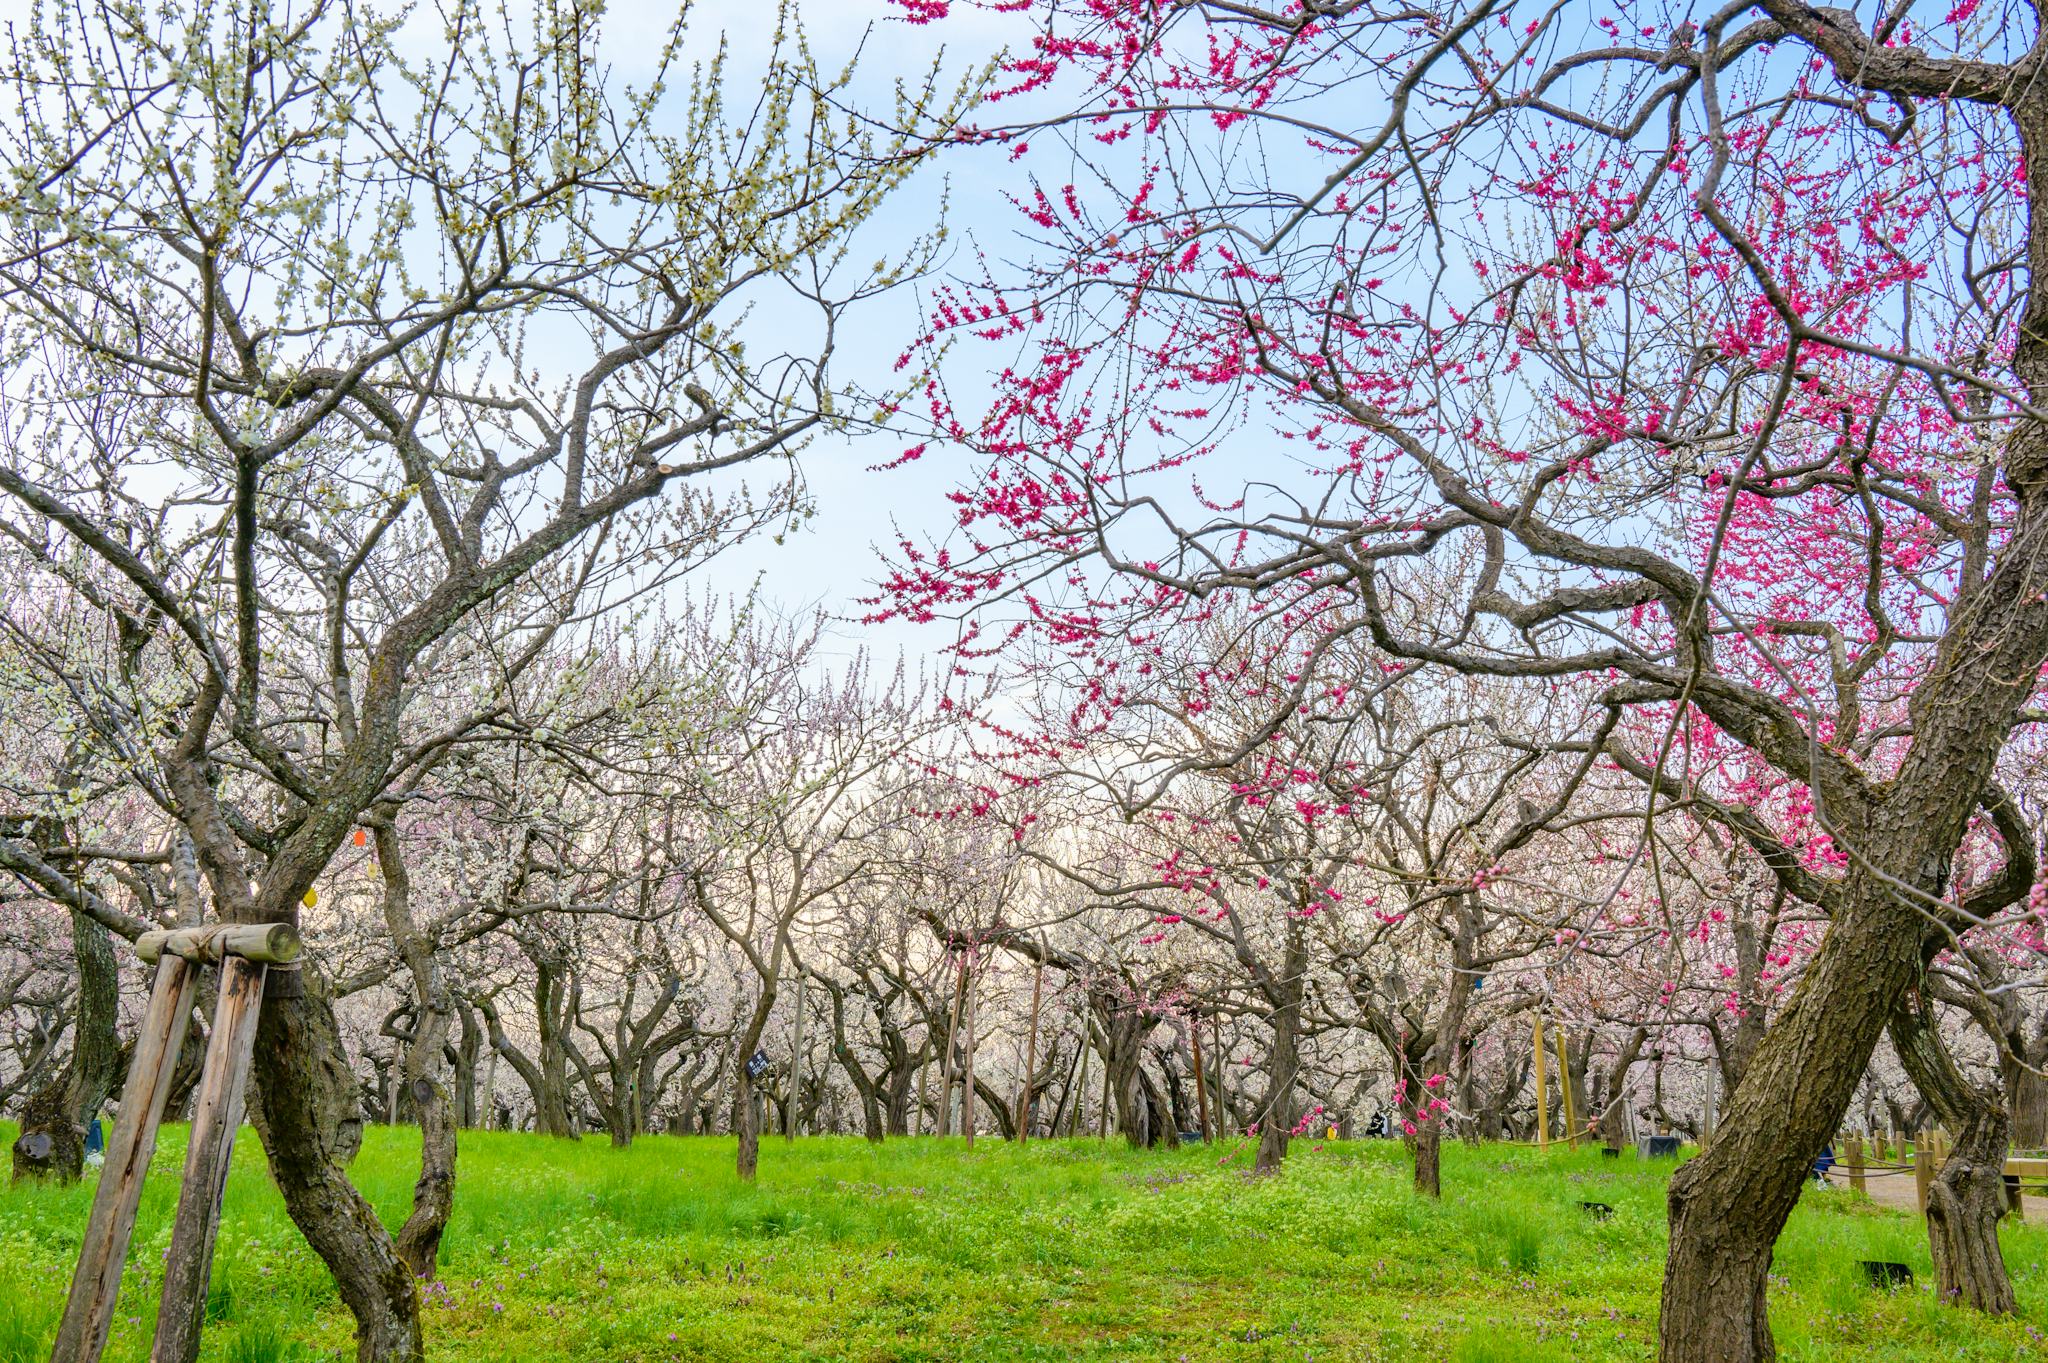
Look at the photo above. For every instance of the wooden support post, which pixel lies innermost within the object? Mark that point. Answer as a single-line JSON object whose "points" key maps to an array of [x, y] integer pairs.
{"points": [[952, 1045], [1080, 1085], [2024, 1174], [244, 949], [1102, 1118], [923, 1087], [1222, 1092], [1564, 1087], [967, 1079], [216, 1113], [1201, 1079], [1852, 1155], [1030, 1058], [1923, 1170], [89, 1312], [1542, 1089]]}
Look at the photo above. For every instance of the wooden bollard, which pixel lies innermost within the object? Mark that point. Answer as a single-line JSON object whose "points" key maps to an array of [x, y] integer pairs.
{"points": [[1852, 1152], [1923, 1170]]}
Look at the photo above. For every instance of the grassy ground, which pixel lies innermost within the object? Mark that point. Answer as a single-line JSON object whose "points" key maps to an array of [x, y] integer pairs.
{"points": [[919, 1250]]}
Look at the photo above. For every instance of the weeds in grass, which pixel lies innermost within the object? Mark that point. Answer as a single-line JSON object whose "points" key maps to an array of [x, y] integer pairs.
{"points": [[263, 1340], [25, 1326]]}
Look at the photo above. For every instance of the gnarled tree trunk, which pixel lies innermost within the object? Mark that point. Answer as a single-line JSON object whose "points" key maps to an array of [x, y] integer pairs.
{"points": [[51, 1143], [307, 1113], [1967, 1195], [433, 1194]]}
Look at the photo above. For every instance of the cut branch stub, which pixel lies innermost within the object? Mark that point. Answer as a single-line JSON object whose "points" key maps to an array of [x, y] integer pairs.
{"points": [[270, 943]]}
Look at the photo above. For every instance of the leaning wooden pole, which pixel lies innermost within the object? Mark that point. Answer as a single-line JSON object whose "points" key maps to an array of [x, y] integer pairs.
{"points": [[177, 955], [1542, 1089], [216, 1113], [89, 1311]]}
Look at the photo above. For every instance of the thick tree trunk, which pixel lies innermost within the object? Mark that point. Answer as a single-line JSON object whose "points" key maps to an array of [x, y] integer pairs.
{"points": [[1964, 1204], [2027, 1092], [307, 1114], [1283, 1068], [463, 1059], [746, 1124], [51, 1143], [1728, 1205], [1426, 1147], [433, 1194], [1613, 1110], [897, 1110], [1967, 1197]]}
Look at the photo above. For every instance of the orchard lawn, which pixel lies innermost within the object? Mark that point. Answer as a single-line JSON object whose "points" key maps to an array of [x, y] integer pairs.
{"points": [[921, 1250]]}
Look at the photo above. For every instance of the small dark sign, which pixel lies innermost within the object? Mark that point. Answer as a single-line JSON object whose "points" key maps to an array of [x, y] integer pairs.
{"points": [[757, 1064]]}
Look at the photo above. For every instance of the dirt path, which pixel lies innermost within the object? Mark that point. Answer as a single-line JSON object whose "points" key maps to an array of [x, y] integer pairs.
{"points": [[1896, 1190]]}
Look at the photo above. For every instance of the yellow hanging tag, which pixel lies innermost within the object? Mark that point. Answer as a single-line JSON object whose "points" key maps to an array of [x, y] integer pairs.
{"points": [[312, 897]]}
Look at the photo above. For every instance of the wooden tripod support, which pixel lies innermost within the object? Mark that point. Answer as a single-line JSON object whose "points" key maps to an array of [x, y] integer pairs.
{"points": [[244, 953]]}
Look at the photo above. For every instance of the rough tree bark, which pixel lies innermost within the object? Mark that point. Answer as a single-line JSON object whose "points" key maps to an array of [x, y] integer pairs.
{"points": [[433, 1194], [307, 1113], [51, 1143], [1967, 1196]]}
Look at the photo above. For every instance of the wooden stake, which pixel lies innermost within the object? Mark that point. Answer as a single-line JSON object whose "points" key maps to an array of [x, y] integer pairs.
{"points": [[946, 1058], [1080, 1084], [967, 1080], [1222, 1093], [216, 1113], [1201, 1080], [1852, 1155], [923, 1088], [1030, 1058], [1102, 1118], [1542, 1090], [1564, 1087], [89, 1311], [1923, 1170]]}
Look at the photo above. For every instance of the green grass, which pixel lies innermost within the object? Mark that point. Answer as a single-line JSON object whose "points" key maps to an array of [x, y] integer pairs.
{"points": [[919, 1250]]}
